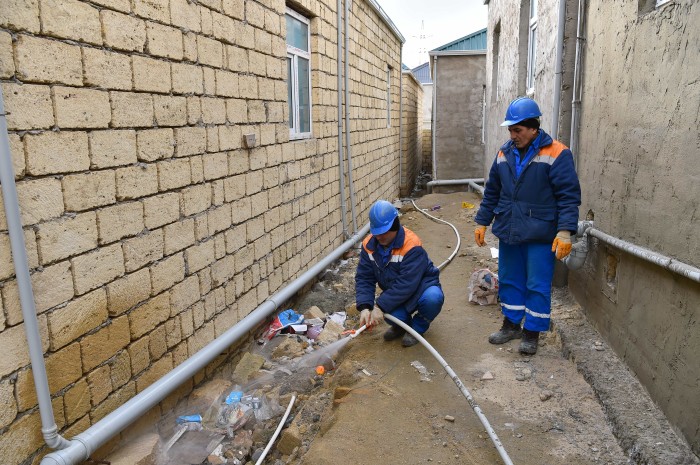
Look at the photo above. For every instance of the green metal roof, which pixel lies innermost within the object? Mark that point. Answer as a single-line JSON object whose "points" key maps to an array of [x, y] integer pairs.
{"points": [[474, 41]]}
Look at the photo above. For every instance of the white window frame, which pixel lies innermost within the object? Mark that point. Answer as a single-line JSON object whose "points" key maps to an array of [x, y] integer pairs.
{"points": [[532, 48], [661, 2], [293, 54], [388, 96]]}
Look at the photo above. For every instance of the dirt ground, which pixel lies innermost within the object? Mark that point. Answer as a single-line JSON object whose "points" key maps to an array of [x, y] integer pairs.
{"points": [[373, 406]]}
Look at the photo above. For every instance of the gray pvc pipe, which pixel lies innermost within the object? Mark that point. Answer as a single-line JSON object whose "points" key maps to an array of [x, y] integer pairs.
{"points": [[463, 389], [347, 115], [341, 160], [26, 294], [558, 69], [433, 130], [85, 443], [453, 182], [578, 72]]}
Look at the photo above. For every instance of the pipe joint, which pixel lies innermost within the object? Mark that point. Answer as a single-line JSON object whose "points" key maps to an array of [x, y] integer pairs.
{"points": [[53, 439]]}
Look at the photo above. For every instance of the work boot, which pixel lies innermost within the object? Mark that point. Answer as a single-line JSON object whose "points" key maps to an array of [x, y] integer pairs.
{"points": [[508, 332], [408, 340], [528, 345], [394, 332]]}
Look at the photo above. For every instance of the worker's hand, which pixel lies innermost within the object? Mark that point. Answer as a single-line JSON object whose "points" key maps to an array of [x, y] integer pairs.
{"points": [[479, 235], [371, 317], [562, 244]]}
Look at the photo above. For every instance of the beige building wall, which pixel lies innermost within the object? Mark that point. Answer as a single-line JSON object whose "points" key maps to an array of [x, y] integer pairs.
{"points": [[638, 125], [411, 132], [150, 227]]}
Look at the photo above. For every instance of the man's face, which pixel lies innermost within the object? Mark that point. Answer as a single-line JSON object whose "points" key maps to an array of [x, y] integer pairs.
{"points": [[521, 136], [386, 238]]}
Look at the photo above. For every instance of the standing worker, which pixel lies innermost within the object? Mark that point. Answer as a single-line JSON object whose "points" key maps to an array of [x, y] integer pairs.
{"points": [[534, 194], [393, 257]]}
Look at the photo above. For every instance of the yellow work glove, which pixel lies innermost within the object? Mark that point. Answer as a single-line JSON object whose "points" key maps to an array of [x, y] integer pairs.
{"points": [[371, 318], [479, 235], [562, 244]]}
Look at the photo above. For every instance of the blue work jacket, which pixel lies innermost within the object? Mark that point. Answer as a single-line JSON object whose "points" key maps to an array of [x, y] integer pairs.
{"points": [[404, 278], [532, 207]]}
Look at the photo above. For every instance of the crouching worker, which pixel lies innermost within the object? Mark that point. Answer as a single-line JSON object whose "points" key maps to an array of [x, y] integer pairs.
{"points": [[393, 257]]}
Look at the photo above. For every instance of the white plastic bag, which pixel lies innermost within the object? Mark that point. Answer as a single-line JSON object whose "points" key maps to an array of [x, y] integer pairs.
{"points": [[483, 287]]}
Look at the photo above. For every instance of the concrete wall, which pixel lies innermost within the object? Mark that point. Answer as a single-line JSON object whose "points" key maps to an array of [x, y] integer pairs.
{"points": [[639, 119], [459, 86], [411, 136], [427, 132], [150, 228], [639, 125]]}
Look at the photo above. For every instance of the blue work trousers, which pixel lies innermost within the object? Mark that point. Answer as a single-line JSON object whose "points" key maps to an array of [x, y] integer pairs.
{"points": [[525, 274], [429, 305]]}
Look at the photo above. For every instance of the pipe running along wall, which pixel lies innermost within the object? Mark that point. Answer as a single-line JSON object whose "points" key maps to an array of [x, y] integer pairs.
{"points": [[348, 145], [341, 159], [24, 284], [85, 443]]}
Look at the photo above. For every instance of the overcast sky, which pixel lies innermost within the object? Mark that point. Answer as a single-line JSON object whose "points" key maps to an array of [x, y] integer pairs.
{"points": [[438, 21]]}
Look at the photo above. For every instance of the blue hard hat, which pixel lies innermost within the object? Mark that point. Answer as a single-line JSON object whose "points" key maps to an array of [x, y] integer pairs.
{"points": [[381, 216], [520, 109]]}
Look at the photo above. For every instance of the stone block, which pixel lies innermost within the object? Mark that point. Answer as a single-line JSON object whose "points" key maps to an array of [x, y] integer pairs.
{"points": [[107, 69], [22, 15], [199, 256], [137, 181], [185, 15], [165, 274], [103, 344], [146, 317], [77, 318], [7, 400], [170, 110], [120, 369], [164, 41], [219, 219], [57, 152], [210, 52], [189, 42], [183, 295], [194, 110], [139, 356], [99, 384], [112, 148], [81, 108], [123, 32], [151, 75], [39, 200], [28, 106], [76, 401], [178, 236], [141, 451], [161, 209], [72, 20], [7, 62], [190, 141], [187, 78], [226, 83], [173, 174], [224, 28], [89, 190], [13, 346], [127, 292], [97, 268], [119, 221], [142, 250], [157, 345], [234, 8], [158, 10], [213, 110], [130, 109], [153, 373], [173, 333], [23, 438], [49, 61], [195, 199]]}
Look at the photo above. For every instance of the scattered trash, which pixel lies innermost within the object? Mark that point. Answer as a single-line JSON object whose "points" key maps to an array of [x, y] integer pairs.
{"points": [[487, 375], [188, 419], [467, 205], [366, 372], [179, 431], [339, 317], [435, 207], [424, 374], [483, 287], [281, 321], [494, 252], [320, 370]]}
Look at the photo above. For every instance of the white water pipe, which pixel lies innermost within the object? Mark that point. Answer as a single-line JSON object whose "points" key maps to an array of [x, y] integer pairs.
{"points": [[348, 145], [577, 86], [484, 421], [433, 129], [84, 444], [341, 159], [558, 69], [456, 182], [277, 431], [26, 294], [459, 239]]}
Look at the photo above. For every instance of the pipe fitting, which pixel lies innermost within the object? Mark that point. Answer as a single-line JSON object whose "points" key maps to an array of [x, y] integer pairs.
{"points": [[53, 439]]}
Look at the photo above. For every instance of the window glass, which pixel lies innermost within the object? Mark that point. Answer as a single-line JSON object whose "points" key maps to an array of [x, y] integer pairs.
{"points": [[304, 96], [290, 100], [298, 75], [297, 34]]}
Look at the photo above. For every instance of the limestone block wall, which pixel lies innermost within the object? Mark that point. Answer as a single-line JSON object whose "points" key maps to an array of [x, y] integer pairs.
{"points": [[412, 137], [150, 227], [427, 158]]}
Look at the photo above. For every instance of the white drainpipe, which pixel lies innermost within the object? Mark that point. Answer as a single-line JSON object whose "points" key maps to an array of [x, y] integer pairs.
{"points": [[341, 160], [434, 125], [26, 294], [558, 69], [578, 75], [347, 112]]}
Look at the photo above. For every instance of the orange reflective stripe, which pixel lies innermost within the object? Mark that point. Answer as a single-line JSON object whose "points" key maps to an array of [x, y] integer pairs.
{"points": [[553, 150], [410, 241]]}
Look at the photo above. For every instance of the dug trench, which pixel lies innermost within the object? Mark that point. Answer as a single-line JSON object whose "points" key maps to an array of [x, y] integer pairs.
{"points": [[376, 402]]}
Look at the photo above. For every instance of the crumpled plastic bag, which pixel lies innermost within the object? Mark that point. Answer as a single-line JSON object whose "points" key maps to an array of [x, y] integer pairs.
{"points": [[483, 287], [284, 319]]}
